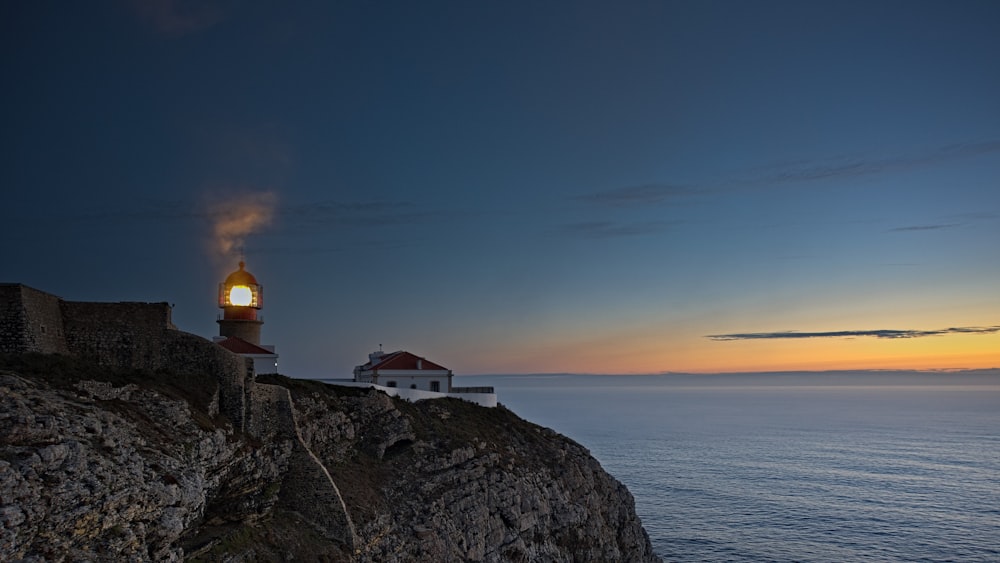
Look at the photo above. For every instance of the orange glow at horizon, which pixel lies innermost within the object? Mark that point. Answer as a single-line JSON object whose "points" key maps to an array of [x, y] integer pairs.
{"points": [[698, 355], [928, 353]]}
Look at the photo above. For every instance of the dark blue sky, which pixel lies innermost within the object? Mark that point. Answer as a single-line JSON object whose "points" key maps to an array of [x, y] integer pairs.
{"points": [[520, 186]]}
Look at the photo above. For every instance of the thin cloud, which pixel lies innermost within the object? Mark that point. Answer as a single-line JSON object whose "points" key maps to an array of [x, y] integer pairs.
{"points": [[802, 172], [924, 227], [846, 168], [611, 229], [888, 334], [959, 150], [978, 216], [823, 171], [646, 194]]}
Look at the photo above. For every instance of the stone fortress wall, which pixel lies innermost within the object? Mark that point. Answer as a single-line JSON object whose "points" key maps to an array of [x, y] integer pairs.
{"points": [[142, 336], [124, 335], [30, 320], [127, 335]]}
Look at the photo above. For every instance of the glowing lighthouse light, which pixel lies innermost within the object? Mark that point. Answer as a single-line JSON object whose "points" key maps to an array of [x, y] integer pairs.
{"points": [[240, 295]]}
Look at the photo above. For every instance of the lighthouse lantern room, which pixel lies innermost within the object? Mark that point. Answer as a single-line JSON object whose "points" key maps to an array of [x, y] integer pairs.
{"points": [[240, 297]]}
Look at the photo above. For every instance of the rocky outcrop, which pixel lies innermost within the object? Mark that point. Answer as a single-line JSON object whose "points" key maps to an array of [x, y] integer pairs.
{"points": [[103, 466], [117, 473], [446, 480]]}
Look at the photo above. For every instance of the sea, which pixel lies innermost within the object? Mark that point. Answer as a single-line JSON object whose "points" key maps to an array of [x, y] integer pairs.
{"points": [[844, 466]]}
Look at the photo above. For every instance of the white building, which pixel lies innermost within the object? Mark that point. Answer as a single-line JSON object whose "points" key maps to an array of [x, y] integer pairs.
{"points": [[407, 376], [404, 370]]}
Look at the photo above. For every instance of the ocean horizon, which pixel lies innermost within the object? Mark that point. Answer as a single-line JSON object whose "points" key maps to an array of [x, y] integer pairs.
{"points": [[869, 465]]}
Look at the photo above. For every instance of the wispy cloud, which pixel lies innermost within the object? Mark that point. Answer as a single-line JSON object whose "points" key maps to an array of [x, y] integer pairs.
{"points": [[883, 333], [863, 166], [924, 227], [811, 171], [978, 216], [611, 229], [646, 194], [802, 172]]}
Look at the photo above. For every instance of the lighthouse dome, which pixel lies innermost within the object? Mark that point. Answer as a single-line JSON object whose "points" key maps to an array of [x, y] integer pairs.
{"points": [[241, 277]]}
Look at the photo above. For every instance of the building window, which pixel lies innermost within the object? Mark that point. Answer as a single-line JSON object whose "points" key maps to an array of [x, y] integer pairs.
{"points": [[436, 386], [390, 383]]}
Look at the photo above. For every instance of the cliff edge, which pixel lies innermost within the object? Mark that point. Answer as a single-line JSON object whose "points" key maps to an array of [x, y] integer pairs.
{"points": [[109, 464]]}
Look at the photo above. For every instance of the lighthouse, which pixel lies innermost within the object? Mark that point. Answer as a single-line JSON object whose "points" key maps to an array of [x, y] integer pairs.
{"points": [[240, 297]]}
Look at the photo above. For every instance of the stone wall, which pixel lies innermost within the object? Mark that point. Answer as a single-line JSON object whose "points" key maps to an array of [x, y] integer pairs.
{"points": [[184, 352], [30, 321], [307, 488], [127, 335], [268, 413]]}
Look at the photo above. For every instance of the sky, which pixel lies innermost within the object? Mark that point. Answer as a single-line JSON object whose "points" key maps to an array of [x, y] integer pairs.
{"points": [[520, 186]]}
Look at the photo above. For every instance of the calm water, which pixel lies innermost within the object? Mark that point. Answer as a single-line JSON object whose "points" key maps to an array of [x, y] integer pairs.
{"points": [[790, 467]]}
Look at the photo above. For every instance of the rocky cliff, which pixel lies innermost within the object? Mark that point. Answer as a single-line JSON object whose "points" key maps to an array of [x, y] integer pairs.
{"points": [[101, 464]]}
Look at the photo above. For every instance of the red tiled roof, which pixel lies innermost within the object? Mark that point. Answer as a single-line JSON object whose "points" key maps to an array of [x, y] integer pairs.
{"points": [[240, 346], [402, 360]]}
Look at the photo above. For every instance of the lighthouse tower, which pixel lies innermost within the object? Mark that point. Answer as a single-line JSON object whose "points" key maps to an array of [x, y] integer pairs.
{"points": [[240, 297]]}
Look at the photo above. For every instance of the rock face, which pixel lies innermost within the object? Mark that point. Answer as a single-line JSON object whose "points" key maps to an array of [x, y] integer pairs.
{"points": [[103, 466]]}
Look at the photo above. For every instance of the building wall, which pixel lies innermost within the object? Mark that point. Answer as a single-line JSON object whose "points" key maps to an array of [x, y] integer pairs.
{"points": [[30, 320], [407, 378], [422, 382], [263, 364]]}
